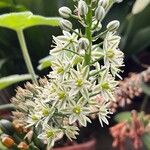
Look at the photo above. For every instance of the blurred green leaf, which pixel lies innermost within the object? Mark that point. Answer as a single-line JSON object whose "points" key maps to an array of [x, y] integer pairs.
{"points": [[2, 147], [139, 6], [123, 116], [4, 4], [140, 41], [135, 27], [45, 63], [9, 80], [22, 20], [146, 140], [146, 88]]}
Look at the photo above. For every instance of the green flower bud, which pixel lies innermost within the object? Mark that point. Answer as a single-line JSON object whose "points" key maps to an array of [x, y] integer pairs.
{"points": [[65, 25], [99, 13], [103, 3], [83, 43], [82, 8], [113, 25], [6, 126], [65, 12]]}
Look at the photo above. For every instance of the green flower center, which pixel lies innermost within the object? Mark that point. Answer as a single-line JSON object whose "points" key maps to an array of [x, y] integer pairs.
{"points": [[62, 95], [34, 118], [105, 86], [60, 70], [45, 112], [110, 53], [77, 110], [50, 134], [79, 82]]}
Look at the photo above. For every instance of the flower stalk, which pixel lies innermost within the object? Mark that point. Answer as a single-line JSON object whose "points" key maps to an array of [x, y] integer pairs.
{"points": [[88, 33], [26, 55]]}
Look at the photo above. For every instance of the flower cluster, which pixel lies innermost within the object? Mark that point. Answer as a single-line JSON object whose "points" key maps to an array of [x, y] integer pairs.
{"points": [[134, 129], [81, 71], [130, 87]]}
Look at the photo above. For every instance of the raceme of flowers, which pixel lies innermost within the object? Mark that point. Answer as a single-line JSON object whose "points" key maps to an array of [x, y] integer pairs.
{"points": [[81, 71]]}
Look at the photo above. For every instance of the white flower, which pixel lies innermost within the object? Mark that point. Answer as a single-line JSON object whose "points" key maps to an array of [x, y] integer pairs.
{"points": [[58, 47], [113, 57], [71, 132], [60, 68], [103, 112], [51, 135], [59, 96], [78, 112], [34, 118], [69, 39], [45, 110], [79, 82], [64, 43], [106, 86]]}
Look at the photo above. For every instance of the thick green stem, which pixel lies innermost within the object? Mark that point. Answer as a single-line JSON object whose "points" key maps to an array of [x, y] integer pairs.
{"points": [[88, 33], [26, 55]]}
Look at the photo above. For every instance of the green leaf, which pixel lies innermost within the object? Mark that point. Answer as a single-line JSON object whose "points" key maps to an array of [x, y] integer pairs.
{"points": [[45, 63], [9, 80], [2, 147], [146, 88], [123, 116], [134, 28], [140, 41], [22, 20], [139, 6], [146, 140], [4, 4]]}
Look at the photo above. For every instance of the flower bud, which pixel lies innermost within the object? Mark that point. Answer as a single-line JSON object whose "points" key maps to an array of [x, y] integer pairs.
{"points": [[113, 25], [8, 142], [66, 25], [23, 146], [82, 8], [65, 12], [99, 13], [6, 126], [103, 3], [83, 43]]}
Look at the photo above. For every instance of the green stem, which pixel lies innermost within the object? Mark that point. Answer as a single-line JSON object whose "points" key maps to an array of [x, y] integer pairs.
{"points": [[88, 33], [145, 101], [26, 55]]}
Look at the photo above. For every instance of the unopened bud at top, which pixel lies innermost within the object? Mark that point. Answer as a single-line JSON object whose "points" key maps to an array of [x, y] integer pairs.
{"points": [[83, 43], [103, 3], [65, 12], [65, 25], [99, 13], [82, 8], [113, 25]]}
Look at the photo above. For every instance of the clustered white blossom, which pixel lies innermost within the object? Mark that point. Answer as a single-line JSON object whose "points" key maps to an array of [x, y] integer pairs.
{"points": [[81, 71]]}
